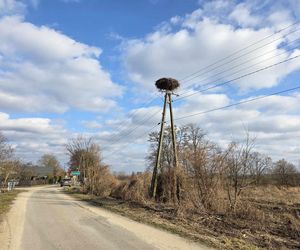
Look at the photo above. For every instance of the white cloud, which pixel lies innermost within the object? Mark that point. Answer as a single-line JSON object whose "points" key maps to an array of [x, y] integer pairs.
{"points": [[51, 70], [204, 37], [92, 124], [275, 104], [9, 7], [34, 136], [199, 39], [241, 14], [274, 125]]}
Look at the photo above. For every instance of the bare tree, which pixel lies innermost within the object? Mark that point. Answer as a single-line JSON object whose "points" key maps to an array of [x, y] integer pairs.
{"points": [[8, 165], [6, 151], [49, 160], [284, 172], [238, 169], [205, 172], [259, 165], [8, 169], [77, 149], [85, 156], [195, 162]]}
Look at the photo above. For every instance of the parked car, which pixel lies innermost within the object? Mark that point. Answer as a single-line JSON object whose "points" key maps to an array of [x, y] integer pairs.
{"points": [[65, 182]]}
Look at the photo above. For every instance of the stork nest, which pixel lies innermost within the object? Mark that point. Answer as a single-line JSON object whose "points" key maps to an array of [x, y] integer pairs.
{"points": [[167, 84]]}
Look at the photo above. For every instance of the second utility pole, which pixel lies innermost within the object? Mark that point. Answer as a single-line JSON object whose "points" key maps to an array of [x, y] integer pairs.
{"points": [[167, 98], [157, 161]]}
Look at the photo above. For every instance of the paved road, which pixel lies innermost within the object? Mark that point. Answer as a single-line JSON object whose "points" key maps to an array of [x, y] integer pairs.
{"points": [[45, 218]]}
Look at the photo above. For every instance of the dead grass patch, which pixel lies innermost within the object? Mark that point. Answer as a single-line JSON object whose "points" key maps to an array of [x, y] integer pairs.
{"points": [[6, 200], [266, 218]]}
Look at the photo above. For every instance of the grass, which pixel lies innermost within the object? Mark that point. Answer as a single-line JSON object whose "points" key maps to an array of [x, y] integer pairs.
{"points": [[6, 200], [146, 215], [269, 219]]}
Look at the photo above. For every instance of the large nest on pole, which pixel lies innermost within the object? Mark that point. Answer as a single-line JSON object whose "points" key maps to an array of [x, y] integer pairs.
{"points": [[167, 84]]}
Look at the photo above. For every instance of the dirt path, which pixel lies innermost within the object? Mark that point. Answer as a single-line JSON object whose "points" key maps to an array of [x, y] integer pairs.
{"points": [[46, 218]]}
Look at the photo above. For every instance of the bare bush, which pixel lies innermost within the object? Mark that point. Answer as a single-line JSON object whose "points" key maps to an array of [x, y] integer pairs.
{"points": [[238, 169], [133, 188], [104, 182], [206, 175]]}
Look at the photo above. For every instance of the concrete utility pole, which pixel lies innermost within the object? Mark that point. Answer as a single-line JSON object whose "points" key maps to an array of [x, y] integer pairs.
{"points": [[157, 161], [175, 184], [173, 131], [165, 85]]}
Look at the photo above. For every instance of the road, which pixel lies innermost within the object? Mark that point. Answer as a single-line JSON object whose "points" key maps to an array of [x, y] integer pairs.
{"points": [[46, 218]]}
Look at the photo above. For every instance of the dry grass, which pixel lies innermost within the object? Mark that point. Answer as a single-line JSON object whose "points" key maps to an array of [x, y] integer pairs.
{"points": [[266, 218], [6, 200], [274, 194], [134, 188]]}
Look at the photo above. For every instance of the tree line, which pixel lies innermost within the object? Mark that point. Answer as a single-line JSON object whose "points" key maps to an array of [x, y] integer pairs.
{"points": [[26, 173], [208, 176]]}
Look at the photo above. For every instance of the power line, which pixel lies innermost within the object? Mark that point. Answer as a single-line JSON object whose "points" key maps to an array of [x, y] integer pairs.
{"points": [[249, 52], [151, 100], [249, 60], [238, 103], [213, 110], [203, 90], [131, 115], [136, 127], [227, 57], [217, 85], [237, 78], [128, 143], [240, 50]]}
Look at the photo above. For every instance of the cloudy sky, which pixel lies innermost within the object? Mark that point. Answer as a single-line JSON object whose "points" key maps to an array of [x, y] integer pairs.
{"points": [[88, 67]]}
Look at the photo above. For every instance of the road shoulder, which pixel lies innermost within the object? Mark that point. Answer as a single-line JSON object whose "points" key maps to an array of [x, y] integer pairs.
{"points": [[11, 228], [156, 235]]}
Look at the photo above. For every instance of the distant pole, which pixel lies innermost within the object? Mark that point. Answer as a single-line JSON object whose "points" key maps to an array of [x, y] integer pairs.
{"points": [[158, 155]]}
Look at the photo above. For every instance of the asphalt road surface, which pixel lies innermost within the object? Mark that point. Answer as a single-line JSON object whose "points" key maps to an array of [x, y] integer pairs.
{"points": [[45, 218]]}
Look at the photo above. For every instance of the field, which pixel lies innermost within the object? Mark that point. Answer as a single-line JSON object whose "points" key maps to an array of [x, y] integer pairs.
{"points": [[268, 218]]}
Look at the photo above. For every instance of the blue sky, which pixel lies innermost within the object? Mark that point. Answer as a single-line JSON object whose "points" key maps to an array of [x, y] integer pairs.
{"points": [[70, 67]]}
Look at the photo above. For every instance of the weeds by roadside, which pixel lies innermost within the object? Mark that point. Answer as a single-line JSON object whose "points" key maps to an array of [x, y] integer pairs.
{"points": [[261, 225], [6, 200]]}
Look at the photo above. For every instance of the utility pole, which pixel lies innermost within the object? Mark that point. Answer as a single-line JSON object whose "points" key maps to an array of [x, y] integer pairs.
{"points": [[173, 131], [175, 184], [157, 162], [165, 85]]}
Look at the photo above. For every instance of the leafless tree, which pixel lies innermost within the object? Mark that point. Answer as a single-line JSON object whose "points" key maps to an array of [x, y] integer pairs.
{"points": [[8, 165], [77, 149], [238, 169], [49, 160], [284, 172], [85, 156], [259, 165]]}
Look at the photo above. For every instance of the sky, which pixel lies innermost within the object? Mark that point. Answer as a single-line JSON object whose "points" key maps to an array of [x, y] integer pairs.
{"points": [[88, 67]]}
